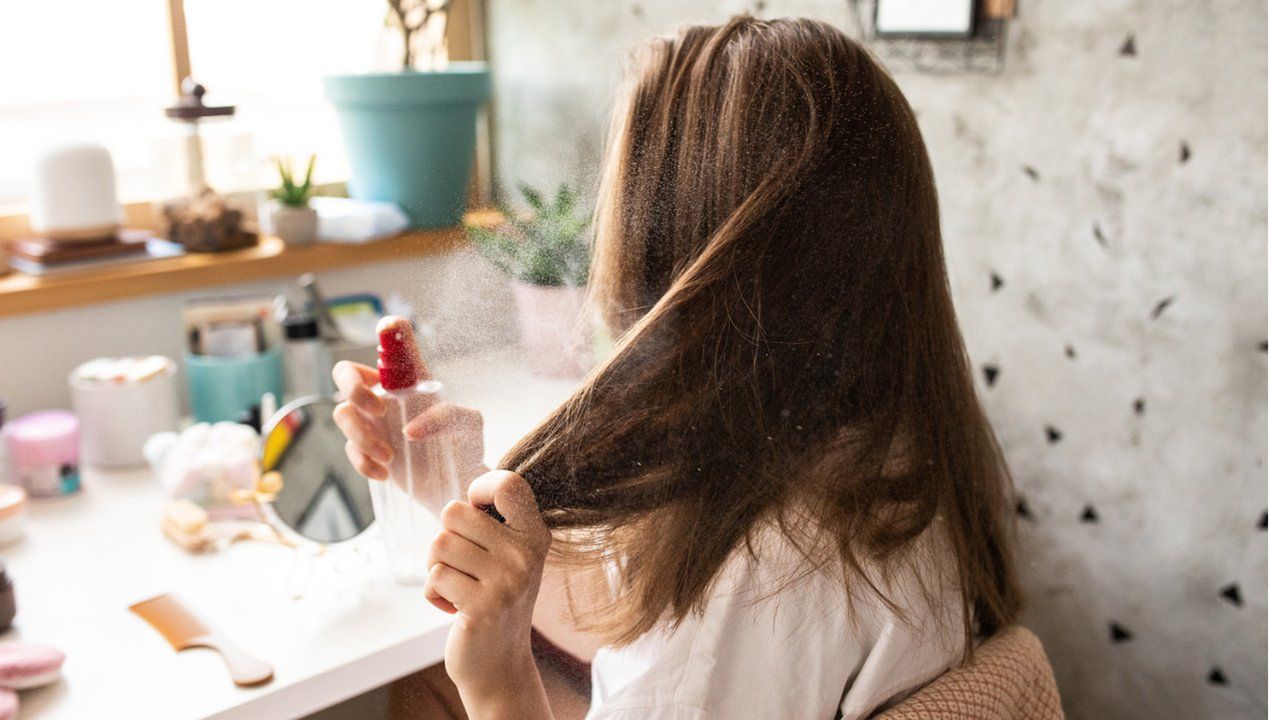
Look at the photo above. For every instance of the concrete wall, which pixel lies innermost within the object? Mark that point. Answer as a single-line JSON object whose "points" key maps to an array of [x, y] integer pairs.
{"points": [[1119, 202], [458, 293]]}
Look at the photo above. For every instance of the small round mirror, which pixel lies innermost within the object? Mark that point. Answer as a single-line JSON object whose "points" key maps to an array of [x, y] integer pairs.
{"points": [[322, 496]]}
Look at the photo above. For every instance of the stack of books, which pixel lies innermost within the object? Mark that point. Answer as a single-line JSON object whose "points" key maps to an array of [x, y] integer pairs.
{"points": [[43, 256]]}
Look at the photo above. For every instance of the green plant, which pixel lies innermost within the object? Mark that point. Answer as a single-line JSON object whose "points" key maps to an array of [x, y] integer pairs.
{"points": [[549, 247], [290, 193]]}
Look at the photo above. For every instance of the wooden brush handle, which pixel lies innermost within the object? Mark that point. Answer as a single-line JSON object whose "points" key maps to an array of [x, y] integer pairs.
{"points": [[244, 668]]}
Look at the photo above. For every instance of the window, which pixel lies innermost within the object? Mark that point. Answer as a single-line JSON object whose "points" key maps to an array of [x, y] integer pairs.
{"points": [[84, 70], [268, 57], [104, 71]]}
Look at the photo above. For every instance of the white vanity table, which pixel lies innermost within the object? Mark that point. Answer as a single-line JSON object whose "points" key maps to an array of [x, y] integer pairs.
{"points": [[87, 558]]}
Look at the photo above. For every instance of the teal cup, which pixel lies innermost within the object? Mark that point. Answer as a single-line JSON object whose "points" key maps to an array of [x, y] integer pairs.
{"points": [[225, 388], [411, 137]]}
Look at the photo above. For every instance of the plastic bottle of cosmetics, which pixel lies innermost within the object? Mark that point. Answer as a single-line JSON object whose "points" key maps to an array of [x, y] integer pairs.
{"points": [[422, 476], [307, 359]]}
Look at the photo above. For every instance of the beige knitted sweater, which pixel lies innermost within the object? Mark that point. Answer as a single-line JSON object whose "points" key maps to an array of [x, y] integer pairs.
{"points": [[1009, 678]]}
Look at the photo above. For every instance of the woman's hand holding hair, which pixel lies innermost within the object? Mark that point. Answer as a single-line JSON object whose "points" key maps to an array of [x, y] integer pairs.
{"points": [[487, 573]]}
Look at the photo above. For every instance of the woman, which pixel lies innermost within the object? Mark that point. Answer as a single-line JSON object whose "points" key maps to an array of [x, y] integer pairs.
{"points": [[778, 496]]}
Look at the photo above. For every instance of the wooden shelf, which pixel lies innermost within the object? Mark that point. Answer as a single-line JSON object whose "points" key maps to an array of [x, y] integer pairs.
{"points": [[21, 294]]}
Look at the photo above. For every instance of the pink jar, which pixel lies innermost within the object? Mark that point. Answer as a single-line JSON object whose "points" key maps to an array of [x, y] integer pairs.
{"points": [[44, 452]]}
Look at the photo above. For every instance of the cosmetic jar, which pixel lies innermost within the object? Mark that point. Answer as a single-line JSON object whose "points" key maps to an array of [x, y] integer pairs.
{"points": [[120, 403], [12, 513], [44, 452]]}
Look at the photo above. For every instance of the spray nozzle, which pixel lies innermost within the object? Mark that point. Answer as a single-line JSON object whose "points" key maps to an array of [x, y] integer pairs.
{"points": [[400, 366]]}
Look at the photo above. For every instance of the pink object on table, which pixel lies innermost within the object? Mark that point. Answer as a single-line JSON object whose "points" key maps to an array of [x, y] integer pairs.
{"points": [[28, 665], [44, 452]]}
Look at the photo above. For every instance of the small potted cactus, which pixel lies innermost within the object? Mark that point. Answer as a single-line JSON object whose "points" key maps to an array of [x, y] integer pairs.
{"points": [[289, 212], [547, 255]]}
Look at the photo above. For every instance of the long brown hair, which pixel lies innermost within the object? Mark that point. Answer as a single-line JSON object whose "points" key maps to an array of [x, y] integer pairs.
{"points": [[768, 249]]}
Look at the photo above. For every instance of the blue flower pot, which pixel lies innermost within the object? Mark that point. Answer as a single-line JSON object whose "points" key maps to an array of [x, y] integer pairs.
{"points": [[411, 137]]}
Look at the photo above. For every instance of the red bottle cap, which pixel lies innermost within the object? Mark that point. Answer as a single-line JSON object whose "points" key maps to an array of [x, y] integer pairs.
{"points": [[398, 354]]}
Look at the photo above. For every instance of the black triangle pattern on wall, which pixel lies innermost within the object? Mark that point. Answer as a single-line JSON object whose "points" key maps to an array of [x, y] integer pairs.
{"points": [[990, 373], [1216, 676], [1053, 434], [1023, 510], [1231, 593], [1119, 633], [1097, 507]]}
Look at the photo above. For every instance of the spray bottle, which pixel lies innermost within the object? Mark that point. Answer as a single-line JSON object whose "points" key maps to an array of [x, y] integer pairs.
{"points": [[422, 476]]}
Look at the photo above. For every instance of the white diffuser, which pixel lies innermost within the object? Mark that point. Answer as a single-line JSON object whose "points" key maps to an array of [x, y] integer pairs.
{"points": [[73, 194]]}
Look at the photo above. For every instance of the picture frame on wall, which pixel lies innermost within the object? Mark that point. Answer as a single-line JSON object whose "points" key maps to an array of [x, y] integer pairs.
{"points": [[948, 19]]}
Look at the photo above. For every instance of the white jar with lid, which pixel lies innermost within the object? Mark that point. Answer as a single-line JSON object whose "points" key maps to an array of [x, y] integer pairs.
{"points": [[120, 404]]}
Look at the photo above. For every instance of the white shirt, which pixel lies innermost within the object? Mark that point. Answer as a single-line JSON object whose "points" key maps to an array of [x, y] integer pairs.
{"points": [[798, 653]]}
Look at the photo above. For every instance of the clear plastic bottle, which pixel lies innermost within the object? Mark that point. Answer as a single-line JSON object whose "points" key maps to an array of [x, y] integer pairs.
{"points": [[423, 475]]}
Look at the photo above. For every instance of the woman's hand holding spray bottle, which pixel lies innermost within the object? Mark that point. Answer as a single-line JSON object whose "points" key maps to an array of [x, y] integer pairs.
{"points": [[422, 455]]}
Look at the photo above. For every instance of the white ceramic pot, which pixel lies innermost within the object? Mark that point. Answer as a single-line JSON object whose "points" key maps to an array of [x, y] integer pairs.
{"points": [[554, 336], [295, 225]]}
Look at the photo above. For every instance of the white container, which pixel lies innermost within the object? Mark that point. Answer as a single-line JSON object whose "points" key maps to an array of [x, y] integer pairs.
{"points": [[118, 415], [73, 193], [297, 226]]}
